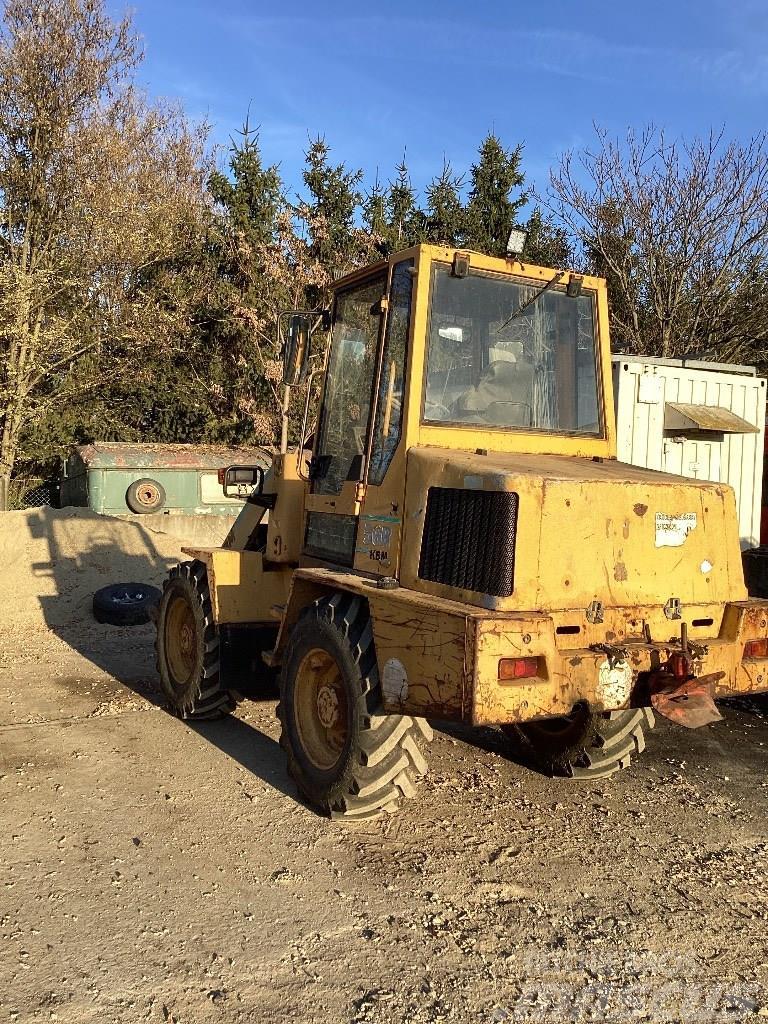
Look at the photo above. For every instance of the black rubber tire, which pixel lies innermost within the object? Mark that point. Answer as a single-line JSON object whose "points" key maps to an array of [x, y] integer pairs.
{"points": [[125, 604], [145, 496], [201, 695], [381, 759], [590, 745]]}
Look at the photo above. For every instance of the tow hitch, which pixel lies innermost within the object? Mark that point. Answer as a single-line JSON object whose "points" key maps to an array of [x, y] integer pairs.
{"points": [[672, 686], [676, 691]]}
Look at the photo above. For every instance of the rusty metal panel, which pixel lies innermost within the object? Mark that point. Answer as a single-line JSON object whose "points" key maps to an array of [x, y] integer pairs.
{"points": [[424, 658], [126, 455]]}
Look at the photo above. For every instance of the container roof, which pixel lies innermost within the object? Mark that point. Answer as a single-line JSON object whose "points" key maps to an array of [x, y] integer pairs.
{"points": [[125, 455]]}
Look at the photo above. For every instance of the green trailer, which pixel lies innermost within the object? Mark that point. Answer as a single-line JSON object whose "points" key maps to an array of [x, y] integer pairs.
{"points": [[120, 479]]}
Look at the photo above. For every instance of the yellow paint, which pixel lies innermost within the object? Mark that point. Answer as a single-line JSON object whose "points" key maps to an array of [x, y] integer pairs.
{"points": [[450, 651], [244, 588], [285, 532], [587, 531]]}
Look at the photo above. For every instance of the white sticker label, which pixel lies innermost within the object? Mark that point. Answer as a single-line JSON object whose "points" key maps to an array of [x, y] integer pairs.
{"points": [[614, 684], [394, 681], [671, 531]]}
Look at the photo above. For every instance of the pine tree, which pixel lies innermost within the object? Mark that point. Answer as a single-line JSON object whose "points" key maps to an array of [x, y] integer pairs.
{"points": [[547, 243], [329, 212], [446, 215], [238, 331], [491, 210], [375, 213], [252, 195], [406, 221]]}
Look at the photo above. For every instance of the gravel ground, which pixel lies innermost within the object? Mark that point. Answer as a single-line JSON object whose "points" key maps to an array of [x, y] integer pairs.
{"points": [[157, 871]]}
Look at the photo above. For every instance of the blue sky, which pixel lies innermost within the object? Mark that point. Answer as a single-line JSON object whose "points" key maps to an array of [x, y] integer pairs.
{"points": [[432, 78]]}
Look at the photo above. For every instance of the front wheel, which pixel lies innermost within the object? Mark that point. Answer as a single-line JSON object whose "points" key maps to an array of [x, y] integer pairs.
{"points": [[585, 744], [188, 647], [346, 757]]}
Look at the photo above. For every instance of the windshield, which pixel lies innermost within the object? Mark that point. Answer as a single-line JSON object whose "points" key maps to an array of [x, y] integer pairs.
{"points": [[493, 364]]}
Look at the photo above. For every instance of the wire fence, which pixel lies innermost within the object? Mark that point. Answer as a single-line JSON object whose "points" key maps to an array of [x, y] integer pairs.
{"points": [[32, 492]]}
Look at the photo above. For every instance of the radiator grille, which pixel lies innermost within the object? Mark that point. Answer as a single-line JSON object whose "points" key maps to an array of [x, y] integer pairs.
{"points": [[469, 540]]}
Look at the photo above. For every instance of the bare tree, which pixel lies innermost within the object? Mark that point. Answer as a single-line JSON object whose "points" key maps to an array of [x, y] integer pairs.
{"points": [[680, 229], [98, 190]]}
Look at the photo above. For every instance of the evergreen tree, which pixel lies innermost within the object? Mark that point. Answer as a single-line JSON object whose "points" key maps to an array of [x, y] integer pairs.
{"points": [[375, 213], [491, 210], [406, 221], [237, 333], [334, 242], [547, 243], [252, 195], [446, 215]]}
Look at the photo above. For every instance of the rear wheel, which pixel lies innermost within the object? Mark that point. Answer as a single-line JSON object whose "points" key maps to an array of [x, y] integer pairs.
{"points": [[187, 646], [346, 757], [584, 744]]}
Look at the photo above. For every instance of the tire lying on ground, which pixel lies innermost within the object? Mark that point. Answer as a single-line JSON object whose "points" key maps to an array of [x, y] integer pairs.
{"points": [[584, 744], [188, 646], [125, 604], [347, 758], [145, 496]]}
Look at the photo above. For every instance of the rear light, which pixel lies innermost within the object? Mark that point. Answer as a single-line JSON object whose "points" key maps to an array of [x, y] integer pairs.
{"points": [[518, 668], [221, 475], [756, 648]]}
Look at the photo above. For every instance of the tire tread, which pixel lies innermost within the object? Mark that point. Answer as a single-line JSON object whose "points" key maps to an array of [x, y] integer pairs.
{"points": [[387, 761]]}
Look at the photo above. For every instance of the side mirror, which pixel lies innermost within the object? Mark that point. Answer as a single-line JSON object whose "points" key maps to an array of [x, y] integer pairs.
{"points": [[296, 349], [241, 481]]}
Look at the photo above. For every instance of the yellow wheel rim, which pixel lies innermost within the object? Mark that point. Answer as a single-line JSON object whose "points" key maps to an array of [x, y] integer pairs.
{"points": [[320, 709], [180, 641]]}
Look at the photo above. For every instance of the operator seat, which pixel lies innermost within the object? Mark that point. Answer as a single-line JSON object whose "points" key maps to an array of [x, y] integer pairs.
{"points": [[504, 383]]}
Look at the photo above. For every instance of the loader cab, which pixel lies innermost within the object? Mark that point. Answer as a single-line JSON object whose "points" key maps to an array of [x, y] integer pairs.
{"points": [[453, 350]]}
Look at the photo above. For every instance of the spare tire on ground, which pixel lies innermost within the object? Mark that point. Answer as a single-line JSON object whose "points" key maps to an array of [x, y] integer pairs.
{"points": [[125, 604]]}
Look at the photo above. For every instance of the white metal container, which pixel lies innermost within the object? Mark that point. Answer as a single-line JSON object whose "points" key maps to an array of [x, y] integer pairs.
{"points": [[695, 419]]}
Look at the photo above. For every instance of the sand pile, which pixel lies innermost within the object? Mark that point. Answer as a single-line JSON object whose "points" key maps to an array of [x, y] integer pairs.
{"points": [[52, 560]]}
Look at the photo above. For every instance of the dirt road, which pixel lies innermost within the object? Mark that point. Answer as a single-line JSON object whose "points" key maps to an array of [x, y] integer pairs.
{"points": [[153, 871]]}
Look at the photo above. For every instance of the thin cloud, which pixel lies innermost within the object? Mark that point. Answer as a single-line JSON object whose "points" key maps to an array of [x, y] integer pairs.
{"points": [[569, 54]]}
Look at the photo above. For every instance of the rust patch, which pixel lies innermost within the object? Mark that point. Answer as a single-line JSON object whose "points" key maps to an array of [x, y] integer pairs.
{"points": [[610, 635], [575, 661], [619, 572], [640, 509], [625, 530]]}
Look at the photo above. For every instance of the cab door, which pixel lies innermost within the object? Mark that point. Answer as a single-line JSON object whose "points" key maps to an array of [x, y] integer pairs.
{"points": [[377, 550], [338, 463]]}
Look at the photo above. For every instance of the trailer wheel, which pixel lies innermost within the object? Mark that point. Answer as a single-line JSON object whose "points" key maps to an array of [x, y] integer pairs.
{"points": [[187, 646], [585, 744], [346, 758]]}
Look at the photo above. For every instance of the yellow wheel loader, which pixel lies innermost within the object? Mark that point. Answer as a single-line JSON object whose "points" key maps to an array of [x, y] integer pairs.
{"points": [[454, 540]]}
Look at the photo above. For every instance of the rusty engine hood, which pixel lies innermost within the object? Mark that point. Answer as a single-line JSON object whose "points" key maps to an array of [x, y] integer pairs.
{"points": [[589, 530]]}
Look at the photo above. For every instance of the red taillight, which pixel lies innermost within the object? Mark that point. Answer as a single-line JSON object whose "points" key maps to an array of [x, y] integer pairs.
{"points": [[518, 668], [756, 648], [222, 474]]}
